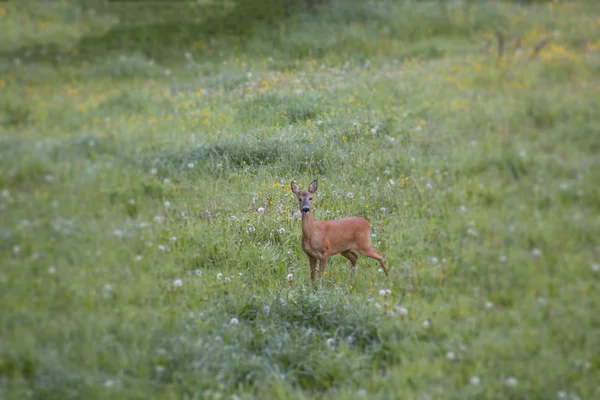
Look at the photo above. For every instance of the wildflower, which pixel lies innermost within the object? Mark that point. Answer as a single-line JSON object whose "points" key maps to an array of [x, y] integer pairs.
{"points": [[249, 75], [536, 252], [426, 323], [261, 209], [502, 258], [290, 277], [472, 232], [198, 272], [522, 153], [219, 276], [132, 201], [154, 171], [413, 160], [52, 270], [49, 178], [173, 239], [450, 356], [281, 230], [108, 288], [267, 309], [374, 130], [167, 204], [162, 247], [16, 249], [350, 195], [401, 310], [463, 209], [227, 279], [319, 123], [178, 282], [386, 172], [159, 369], [383, 209], [488, 305], [475, 380], [361, 393], [429, 186], [234, 321], [434, 260], [251, 228], [109, 383], [118, 233], [167, 72], [511, 381], [190, 165], [330, 342], [595, 267], [354, 124]]}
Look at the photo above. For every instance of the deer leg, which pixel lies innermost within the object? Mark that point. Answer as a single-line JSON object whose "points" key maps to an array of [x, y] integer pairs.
{"points": [[313, 267], [372, 252], [350, 255], [323, 264]]}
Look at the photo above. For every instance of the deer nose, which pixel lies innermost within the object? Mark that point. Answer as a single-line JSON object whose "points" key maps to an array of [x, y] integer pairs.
{"points": [[305, 209]]}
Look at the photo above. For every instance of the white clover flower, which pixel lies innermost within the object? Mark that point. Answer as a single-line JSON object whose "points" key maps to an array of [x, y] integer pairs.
{"points": [[413, 160], [361, 393], [536, 252], [131, 201], [154, 171], [502, 258], [173, 238], [159, 218], [488, 305], [595, 267], [167, 72], [281, 230], [234, 321], [350, 195], [475, 380], [382, 292], [450, 356], [166, 181], [198, 272], [108, 288], [463, 209], [52, 270], [159, 369], [374, 130], [249, 75], [354, 124], [319, 123], [261, 209], [330, 342], [251, 228], [386, 172], [162, 247], [109, 383], [167, 204], [190, 165], [434, 260], [227, 279], [472, 232], [290, 277], [219, 276], [239, 274], [178, 283], [512, 381], [16, 249], [383, 209], [429, 186], [426, 323]]}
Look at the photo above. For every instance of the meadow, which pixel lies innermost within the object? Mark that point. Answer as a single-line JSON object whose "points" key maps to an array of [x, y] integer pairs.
{"points": [[148, 242]]}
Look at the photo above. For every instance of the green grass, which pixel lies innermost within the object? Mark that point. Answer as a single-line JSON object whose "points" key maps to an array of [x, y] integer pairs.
{"points": [[146, 220]]}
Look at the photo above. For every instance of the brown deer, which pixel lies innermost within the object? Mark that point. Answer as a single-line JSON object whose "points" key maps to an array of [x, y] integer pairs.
{"points": [[322, 239]]}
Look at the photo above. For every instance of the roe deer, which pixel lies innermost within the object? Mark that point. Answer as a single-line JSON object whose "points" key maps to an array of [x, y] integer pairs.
{"points": [[322, 239]]}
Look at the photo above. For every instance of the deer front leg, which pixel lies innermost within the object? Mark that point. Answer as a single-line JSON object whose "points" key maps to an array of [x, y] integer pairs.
{"points": [[323, 264], [313, 267]]}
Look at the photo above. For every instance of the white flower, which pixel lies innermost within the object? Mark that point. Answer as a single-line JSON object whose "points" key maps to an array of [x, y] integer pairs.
{"points": [[434, 260], [502, 258], [249, 75], [426, 323], [49, 178], [374, 130], [167, 204], [383, 209], [511, 381], [132, 201], [251, 228], [167, 72], [319, 123], [234, 321], [178, 282], [227, 279], [355, 124], [166, 181], [413, 160], [522, 153], [16, 249], [198, 272], [382, 292], [475, 380], [463, 209], [261, 209], [290, 277], [159, 218], [219, 276], [472, 232], [267, 309], [52, 270], [429, 186], [281, 230], [595, 267], [109, 383], [108, 288], [239, 274], [562, 394], [190, 165], [162, 247], [488, 305], [386, 172], [159, 369], [173, 239], [330, 342], [401, 310], [361, 393], [154, 171], [536, 252], [350, 195], [450, 355]]}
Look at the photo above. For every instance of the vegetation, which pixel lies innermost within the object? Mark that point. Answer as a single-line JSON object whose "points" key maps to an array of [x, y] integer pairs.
{"points": [[147, 224]]}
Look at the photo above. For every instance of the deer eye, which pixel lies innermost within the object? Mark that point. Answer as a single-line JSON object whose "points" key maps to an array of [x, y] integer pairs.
{"points": [[310, 198]]}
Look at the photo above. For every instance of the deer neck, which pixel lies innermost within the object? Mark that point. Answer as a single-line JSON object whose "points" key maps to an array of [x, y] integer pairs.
{"points": [[308, 223]]}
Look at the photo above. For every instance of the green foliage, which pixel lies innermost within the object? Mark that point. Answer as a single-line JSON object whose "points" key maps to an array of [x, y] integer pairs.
{"points": [[148, 243]]}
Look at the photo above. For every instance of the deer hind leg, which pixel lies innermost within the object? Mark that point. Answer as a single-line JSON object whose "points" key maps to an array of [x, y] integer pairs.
{"points": [[353, 257], [323, 264], [372, 252]]}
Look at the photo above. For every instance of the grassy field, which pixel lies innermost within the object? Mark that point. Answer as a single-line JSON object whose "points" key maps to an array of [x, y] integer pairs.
{"points": [[147, 225]]}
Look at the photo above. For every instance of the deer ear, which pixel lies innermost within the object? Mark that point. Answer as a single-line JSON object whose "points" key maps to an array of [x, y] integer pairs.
{"points": [[295, 188], [313, 186]]}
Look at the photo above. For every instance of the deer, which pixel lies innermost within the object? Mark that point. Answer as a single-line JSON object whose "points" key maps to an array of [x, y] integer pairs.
{"points": [[322, 239]]}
